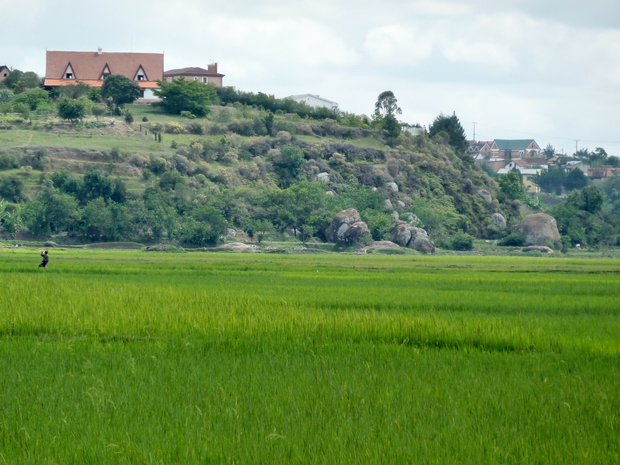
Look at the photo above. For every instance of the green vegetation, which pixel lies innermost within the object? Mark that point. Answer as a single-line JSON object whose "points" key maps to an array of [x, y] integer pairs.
{"points": [[134, 357], [239, 152], [120, 90], [180, 96]]}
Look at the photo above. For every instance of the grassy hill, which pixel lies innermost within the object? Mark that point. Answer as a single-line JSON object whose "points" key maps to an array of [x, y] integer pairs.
{"points": [[232, 162]]}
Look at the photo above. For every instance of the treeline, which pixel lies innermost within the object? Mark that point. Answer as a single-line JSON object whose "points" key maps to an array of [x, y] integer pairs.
{"points": [[97, 207], [228, 95]]}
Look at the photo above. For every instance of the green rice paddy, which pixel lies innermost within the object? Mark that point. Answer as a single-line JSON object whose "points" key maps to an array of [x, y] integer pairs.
{"points": [[141, 358]]}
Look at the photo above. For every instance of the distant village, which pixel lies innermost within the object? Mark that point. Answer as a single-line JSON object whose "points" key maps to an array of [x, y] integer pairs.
{"points": [[525, 156], [498, 156]]}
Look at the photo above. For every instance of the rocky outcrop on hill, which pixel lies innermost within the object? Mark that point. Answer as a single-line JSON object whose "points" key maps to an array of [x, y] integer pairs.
{"points": [[240, 247], [407, 235], [540, 229], [383, 245], [537, 248], [347, 228], [499, 220], [485, 195]]}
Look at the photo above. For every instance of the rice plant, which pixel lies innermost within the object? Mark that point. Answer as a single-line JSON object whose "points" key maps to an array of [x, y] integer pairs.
{"points": [[129, 357]]}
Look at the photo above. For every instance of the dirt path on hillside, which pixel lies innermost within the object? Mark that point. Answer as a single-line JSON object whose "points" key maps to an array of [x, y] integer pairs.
{"points": [[25, 144]]}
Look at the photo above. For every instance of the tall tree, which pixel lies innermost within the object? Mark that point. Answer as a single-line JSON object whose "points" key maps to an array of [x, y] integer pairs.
{"points": [[181, 95], [576, 179], [288, 165], [386, 107], [551, 180], [120, 89], [51, 212], [387, 104], [511, 187], [548, 151], [18, 81], [453, 128]]}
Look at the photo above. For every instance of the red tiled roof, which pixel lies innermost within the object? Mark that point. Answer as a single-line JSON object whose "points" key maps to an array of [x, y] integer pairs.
{"points": [[191, 72], [88, 66]]}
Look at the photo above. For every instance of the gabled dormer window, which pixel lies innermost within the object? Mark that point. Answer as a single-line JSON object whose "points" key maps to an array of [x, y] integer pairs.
{"points": [[69, 74], [105, 73], [140, 75]]}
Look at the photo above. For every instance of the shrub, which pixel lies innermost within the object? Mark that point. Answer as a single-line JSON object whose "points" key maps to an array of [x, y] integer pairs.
{"points": [[174, 128], [8, 161], [195, 128], [514, 239], [11, 188], [462, 241]]}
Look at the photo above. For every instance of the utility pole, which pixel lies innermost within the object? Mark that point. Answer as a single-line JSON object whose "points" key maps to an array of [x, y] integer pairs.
{"points": [[474, 123], [576, 146]]}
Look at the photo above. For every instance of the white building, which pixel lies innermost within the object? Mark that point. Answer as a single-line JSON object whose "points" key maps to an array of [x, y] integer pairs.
{"points": [[314, 101]]}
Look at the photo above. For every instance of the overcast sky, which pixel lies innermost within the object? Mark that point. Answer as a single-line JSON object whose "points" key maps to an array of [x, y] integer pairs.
{"points": [[518, 69]]}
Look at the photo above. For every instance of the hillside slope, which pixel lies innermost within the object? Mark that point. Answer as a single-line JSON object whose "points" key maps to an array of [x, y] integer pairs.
{"points": [[184, 180]]}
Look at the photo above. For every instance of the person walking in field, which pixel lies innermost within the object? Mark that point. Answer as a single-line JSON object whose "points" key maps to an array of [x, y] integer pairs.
{"points": [[45, 259]]}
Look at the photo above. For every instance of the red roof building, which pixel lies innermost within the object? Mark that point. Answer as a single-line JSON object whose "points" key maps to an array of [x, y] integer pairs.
{"points": [[206, 76], [65, 68]]}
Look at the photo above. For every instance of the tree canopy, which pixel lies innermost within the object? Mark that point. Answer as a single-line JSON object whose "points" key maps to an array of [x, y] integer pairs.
{"points": [[453, 128], [18, 81], [71, 109], [181, 95], [387, 104], [120, 89]]}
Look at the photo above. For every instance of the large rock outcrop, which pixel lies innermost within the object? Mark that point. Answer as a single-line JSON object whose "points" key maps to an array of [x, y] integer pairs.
{"points": [[540, 229], [407, 235], [347, 228], [498, 220]]}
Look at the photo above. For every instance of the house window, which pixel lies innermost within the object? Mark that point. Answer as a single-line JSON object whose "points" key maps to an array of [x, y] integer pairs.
{"points": [[140, 77], [195, 78], [205, 80], [69, 76]]}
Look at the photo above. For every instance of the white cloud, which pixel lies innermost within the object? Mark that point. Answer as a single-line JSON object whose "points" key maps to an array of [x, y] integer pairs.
{"points": [[291, 40], [397, 44], [438, 8]]}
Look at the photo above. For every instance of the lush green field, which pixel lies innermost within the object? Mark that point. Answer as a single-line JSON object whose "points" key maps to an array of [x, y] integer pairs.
{"points": [[133, 357]]}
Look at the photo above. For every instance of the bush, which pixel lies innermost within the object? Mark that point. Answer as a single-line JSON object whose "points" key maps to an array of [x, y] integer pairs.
{"points": [[174, 128], [8, 161], [11, 188], [462, 241], [195, 128], [515, 239]]}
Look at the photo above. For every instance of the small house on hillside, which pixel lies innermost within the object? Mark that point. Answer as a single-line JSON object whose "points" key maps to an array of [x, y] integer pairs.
{"points": [[528, 173], [510, 149], [4, 72], [65, 68], [206, 76], [603, 172], [479, 150], [314, 101]]}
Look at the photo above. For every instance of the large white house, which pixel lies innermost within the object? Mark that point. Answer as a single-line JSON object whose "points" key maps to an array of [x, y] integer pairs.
{"points": [[314, 101]]}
